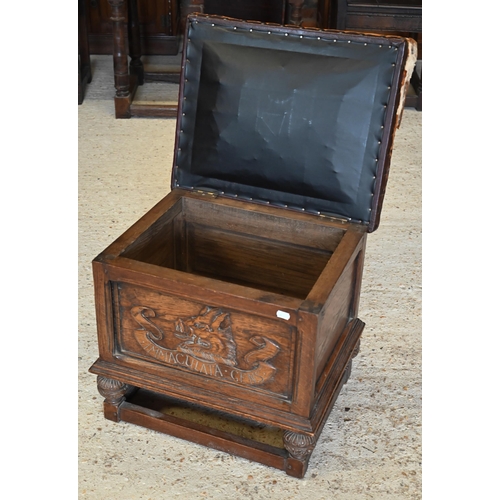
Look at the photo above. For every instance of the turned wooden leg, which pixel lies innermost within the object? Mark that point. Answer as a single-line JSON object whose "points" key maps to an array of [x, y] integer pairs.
{"points": [[299, 446], [120, 58], [136, 66], [113, 392]]}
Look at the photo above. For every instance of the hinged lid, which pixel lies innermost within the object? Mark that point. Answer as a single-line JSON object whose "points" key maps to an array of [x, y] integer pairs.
{"points": [[292, 117]]}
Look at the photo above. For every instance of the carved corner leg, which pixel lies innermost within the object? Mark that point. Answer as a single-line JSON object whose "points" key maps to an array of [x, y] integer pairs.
{"points": [[113, 392], [299, 447]]}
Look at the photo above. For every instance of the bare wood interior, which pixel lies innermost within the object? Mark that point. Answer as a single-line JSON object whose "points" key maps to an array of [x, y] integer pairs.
{"points": [[251, 248]]}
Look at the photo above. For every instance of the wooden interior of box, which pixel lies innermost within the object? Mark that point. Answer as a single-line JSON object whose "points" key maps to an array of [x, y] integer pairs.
{"points": [[277, 254]]}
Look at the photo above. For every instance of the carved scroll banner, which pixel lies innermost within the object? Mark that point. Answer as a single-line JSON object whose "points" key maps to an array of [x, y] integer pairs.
{"points": [[206, 346]]}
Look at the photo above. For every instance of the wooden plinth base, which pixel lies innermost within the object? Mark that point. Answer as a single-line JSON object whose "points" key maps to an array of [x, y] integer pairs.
{"points": [[223, 432], [283, 448]]}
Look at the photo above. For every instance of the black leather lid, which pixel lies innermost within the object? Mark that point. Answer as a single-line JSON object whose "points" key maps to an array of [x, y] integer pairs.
{"points": [[291, 117]]}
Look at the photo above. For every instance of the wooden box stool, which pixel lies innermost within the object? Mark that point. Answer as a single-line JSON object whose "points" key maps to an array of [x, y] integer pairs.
{"points": [[227, 315]]}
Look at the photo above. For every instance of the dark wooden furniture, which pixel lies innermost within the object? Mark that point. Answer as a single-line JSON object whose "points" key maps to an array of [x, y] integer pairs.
{"points": [[159, 26], [259, 10], [128, 43], [295, 12], [128, 76], [84, 69], [228, 314], [383, 16]]}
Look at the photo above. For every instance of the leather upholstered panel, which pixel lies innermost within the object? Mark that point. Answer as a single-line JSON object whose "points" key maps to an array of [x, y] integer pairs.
{"points": [[283, 117]]}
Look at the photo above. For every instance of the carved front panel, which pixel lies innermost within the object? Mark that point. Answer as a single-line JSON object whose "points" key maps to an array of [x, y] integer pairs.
{"points": [[216, 342]]}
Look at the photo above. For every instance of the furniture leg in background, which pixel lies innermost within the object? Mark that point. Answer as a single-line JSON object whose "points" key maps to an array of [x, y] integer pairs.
{"points": [[84, 70], [127, 78], [127, 42]]}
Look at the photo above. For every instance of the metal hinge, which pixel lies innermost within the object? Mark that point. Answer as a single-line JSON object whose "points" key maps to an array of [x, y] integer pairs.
{"points": [[207, 193], [335, 219]]}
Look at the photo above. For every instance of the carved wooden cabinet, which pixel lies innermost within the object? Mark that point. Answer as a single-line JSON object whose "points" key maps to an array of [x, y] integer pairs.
{"points": [[159, 25], [228, 314]]}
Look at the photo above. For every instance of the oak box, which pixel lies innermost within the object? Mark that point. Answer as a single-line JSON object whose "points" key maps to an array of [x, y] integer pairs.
{"points": [[227, 315]]}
